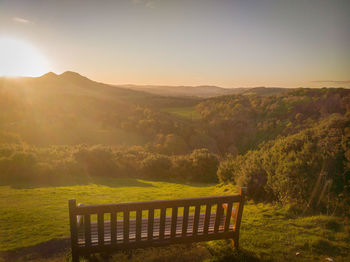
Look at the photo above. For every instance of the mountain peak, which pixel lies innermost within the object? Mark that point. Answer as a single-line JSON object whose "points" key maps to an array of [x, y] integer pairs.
{"points": [[70, 75], [49, 74]]}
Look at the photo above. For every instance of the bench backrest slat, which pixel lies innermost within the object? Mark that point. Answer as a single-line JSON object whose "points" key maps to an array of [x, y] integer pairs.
{"points": [[173, 222], [218, 215], [113, 228], [138, 224], [196, 219], [150, 224], [87, 230], [162, 223], [207, 218], [100, 222], [185, 220], [126, 226], [228, 216]]}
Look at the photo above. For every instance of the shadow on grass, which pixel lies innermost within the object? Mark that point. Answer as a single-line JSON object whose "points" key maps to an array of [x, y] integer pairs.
{"points": [[50, 249], [59, 250], [120, 182], [104, 181], [109, 182]]}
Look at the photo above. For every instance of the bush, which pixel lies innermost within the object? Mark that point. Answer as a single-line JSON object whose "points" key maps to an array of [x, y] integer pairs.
{"points": [[156, 166], [182, 168], [205, 166], [97, 161], [246, 171]]}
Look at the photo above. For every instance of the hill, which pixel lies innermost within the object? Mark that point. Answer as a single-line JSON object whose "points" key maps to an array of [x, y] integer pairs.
{"points": [[70, 109], [186, 91]]}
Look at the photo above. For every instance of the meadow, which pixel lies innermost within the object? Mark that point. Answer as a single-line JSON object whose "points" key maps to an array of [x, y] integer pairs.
{"points": [[31, 217], [185, 112]]}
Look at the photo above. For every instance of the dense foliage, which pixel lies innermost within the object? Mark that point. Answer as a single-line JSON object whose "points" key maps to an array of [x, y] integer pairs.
{"points": [[309, 168], [22, 165], [239, 123]]}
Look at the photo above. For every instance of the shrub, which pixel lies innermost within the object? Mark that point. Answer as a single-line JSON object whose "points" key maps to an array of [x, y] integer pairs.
{"points": [[156, 166], [97, 160], [182, 168], [205, 166]]}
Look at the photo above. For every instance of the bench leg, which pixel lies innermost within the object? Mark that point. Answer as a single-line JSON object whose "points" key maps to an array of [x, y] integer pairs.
{"points": [[235, 241], [75, 256]]}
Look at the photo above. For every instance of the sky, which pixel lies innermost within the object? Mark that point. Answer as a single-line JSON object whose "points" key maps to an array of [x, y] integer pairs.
{"points": [[227, 43]]}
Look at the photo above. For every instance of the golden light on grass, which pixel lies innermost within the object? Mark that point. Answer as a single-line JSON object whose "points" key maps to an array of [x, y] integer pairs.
{"points": [[19, 58]]}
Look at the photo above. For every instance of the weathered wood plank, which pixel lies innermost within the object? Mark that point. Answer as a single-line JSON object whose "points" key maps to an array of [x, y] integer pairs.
{"points": [[206, 219], [196, 219], [150, 223], [113, 228], [100, 221], [218, 216], [138, 224], [185, 221], [121, 207], [87, 229], [228, 209], [173, 222], [162, 223], [126, 226]]}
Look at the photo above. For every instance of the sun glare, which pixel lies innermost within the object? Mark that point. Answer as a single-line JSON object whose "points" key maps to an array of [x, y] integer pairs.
{"points": [[19, 58]]}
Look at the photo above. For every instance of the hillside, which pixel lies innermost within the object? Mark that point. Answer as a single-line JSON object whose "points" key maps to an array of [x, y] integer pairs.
{"points": [[71, 109]]}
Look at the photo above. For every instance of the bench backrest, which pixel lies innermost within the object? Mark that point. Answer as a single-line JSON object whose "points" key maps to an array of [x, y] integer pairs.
{"points": [[224, 223]]}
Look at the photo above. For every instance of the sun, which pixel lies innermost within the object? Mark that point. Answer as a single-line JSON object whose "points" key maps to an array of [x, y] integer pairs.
{"points": [[19, 58]]}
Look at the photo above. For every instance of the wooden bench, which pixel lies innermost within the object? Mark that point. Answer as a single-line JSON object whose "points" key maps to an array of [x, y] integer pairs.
{"points": [[110, 227]]}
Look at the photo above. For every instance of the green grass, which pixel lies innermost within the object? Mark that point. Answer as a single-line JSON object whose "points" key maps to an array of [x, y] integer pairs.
{"points": [[36, 215], [185, 112], [32, 216]]}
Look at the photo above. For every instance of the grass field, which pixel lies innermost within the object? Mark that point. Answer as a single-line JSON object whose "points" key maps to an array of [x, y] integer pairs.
{"points": [[36, 215], [185, 112]]}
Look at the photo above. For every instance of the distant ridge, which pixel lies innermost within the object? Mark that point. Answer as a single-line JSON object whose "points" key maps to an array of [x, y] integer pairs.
{"points": [[65, 76], [70, 80], [205, 91], [202, 91]]}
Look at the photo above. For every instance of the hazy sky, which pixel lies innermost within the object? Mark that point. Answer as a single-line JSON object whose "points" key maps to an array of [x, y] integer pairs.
{"points": [[178, 42]]}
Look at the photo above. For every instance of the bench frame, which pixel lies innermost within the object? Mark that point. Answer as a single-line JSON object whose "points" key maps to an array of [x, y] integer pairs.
{"points": [[222, 228]]}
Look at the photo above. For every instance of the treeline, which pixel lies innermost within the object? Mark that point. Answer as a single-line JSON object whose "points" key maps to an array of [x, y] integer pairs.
{"points": [[240, 123], [23, 165]]}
